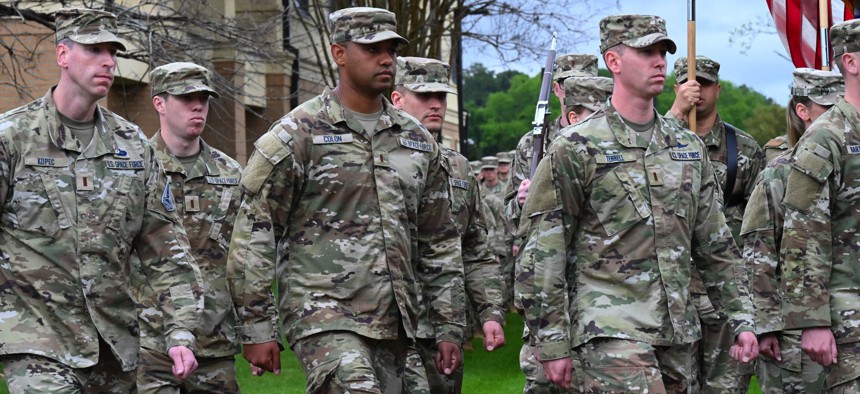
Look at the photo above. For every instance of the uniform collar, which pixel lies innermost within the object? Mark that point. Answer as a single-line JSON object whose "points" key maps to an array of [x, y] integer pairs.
{"points": [[204, 166], [391, 117], [62, 138], [627, 137]]}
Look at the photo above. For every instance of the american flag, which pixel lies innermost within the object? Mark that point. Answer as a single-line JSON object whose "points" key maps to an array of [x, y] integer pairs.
{"points": [[798, 23]]}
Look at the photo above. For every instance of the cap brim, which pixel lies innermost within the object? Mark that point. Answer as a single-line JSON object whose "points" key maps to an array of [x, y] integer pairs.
{"points": [[652, 39], [102, 37], [572, 73], [430, 87], [710, 77], [379, 37], [827, 100], [195, 89]]}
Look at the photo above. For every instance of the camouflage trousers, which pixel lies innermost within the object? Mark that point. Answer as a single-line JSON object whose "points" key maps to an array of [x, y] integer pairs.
{"points": [[32, 374], [611, 365], [421, 374], [536, 382], [796, 373], [346, 362], [213, 375], [844, 376], [718, 372]]}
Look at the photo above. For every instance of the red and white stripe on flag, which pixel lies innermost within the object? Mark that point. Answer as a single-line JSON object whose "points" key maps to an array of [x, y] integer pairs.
{"points": [[797, 23]]}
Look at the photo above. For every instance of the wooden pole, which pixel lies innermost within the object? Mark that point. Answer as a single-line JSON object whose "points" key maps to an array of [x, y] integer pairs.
{"points": [[691, 55], [823, 24]]}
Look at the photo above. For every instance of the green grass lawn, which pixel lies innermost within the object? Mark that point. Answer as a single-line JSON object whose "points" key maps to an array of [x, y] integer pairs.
{"points": [[496, 372]]}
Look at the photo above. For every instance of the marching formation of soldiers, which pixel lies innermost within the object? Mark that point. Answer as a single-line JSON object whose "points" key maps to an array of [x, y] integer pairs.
{"points": [[641, 255]]}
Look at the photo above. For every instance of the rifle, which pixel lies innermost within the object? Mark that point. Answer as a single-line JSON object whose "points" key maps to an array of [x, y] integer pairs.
{"points": [[540, 124]]}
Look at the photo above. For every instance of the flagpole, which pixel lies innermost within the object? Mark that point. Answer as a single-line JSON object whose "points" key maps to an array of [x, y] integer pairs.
{"points": [[824, 23], [691, 55]]}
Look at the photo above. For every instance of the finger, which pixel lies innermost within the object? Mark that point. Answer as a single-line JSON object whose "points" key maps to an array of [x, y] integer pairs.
{"points": [[567, 373], [777, 354], [833, 351], [276, 360], [439, 361]]}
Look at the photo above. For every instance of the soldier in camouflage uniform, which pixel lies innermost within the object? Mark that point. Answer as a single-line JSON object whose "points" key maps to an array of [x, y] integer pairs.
{"points": [[785, 368], [346, 204], [81, 190], [819, 240], [719, 372], [504, 169], [583, 96], [621, 210], [490, 184], [421, 90], [775, 147], [205, 185]]}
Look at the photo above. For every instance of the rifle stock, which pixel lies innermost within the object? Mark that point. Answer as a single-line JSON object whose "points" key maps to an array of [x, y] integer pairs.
{"points": [[540, 124]]}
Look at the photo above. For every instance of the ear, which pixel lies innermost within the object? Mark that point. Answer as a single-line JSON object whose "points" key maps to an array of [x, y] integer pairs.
{"points": [[158, 103], [572, 118], [62, 56], [338, 53], [719, 89], [558, 90], [613, 61], [802, 112], [397, 99]]}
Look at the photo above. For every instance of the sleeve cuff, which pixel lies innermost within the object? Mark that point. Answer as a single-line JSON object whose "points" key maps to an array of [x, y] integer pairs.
{"points": [[553, 350], [449, 333], [179, 337], [261, 332], [493, 314]]}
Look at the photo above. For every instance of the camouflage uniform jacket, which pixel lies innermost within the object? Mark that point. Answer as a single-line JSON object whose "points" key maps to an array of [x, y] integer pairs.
{"points": [[750, 163], [71, 218], [356, 225], [819, 241], [207, 198], [775, 147], [483, 281], [616, 224], [762, 233]]}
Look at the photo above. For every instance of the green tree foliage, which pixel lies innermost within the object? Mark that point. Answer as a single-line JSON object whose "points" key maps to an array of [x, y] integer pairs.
{"points": [[507, 113]]}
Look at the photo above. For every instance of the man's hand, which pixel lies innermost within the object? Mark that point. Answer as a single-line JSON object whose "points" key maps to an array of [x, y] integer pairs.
{"points": [[558, 371], [263, 357], [184, 362], [768, 345], [819, 344], [448, 357], [494, 335], [523, 191], [745, 348], [686, 96]]}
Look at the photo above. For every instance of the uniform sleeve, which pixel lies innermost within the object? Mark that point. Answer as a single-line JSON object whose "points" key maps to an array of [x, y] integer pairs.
{"points": [[717, 257], [761, 252], [269, 184], [807, 233], [520, 168], [164, 253], [549, 220], [483, 278], [440, 265]]}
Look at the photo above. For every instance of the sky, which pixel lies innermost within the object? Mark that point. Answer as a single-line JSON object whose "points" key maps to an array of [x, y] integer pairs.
{"points": [[764, 67]]}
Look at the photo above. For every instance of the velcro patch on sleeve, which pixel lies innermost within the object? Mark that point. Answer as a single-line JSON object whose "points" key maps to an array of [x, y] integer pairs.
{"points": [[757, 214], [542, 193]]}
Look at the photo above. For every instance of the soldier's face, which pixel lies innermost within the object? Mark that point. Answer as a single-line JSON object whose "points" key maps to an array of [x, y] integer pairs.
{"points": [[428, 107], [642, 71], [90, 67], [710, 93], [183, 116], [368, 68], [489, 174], [504, 168]]}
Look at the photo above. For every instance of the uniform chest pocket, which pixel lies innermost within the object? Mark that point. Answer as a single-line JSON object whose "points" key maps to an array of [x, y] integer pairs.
{"points": [[125, 215], [36, 206], [617, 201], [221, 224]]}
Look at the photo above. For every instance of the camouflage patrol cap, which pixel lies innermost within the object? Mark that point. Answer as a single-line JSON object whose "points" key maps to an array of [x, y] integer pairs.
{"points": [[575, 65], [86, 26], [822, 87], [504, 157], [637, 31], [705, 68], [489, 162], [476, 166], [421, 75], [181, 78], [589, 92], [845, 37], [364, 25]]}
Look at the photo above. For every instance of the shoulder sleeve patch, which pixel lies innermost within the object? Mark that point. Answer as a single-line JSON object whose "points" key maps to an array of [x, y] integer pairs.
{"points": [[542, 197], [809, 172], [757, 214], [271, 150], [274, 146]]}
